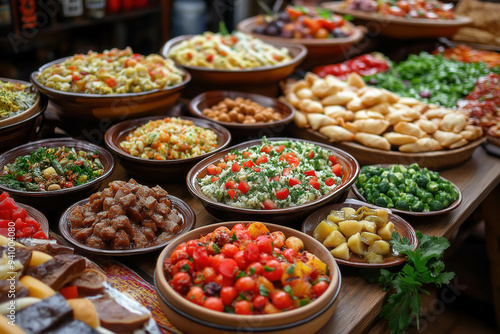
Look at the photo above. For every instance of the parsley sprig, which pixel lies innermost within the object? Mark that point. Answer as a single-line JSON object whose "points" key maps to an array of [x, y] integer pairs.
{"points": [[423, 266]]}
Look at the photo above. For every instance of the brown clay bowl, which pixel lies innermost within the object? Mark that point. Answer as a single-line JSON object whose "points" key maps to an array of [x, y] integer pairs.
{"points": [[165, 170], [189, 317], [400, 27], [319, 51], [400, 225], [37, 105], [188, 222], [240, 130], [57, 199], [285, 216], [93, 107], [261, 80], [451, 207]]}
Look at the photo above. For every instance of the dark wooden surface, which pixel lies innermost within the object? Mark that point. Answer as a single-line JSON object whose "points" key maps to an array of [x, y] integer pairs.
{"points": [[360, 302]]}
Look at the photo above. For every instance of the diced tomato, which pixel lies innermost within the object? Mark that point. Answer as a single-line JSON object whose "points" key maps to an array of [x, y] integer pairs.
{"points": [[268, 204], [4, 195], [24, 232], [286, 171], [293, 12], [4, 231], [249, 163], [256, 169], [4, 214], [222, 165], [330, 181], [231, 193], [333, 159], [229, 157], [69, 292], [20, 224], [310, 172], [32, 222], [68, 184], [282, 194], [294, 161], [315, 184], [210, 57], [327, 24], [337, 169], [293, 181], [8, 204], [260, 160], [39, 235], [275, 178], [4, 222], [230, 184], [111, 82], [279, 148], [235, 167], [313, 24], [266, 148], [243, 187], [246, 154], [213, 179], [19, 213], [311, 154], [211, 169]]}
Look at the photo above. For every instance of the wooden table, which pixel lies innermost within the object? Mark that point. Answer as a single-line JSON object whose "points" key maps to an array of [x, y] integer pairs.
{"points": [[359, 301]]}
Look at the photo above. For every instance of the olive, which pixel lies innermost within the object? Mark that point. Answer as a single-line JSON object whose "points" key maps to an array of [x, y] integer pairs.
{"points": [[261, 30], [425, 95], [337, 32], [272, 30]]}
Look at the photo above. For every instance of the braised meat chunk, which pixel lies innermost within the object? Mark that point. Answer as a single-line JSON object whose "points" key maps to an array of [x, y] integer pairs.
{"points": [[126, 215]]}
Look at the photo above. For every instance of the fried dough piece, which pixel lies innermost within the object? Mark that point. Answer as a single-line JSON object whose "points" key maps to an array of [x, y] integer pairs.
{"points": [[426, 144], [409, 129], [320, 120], [338, 112], [371, 125], [374, 141], [398, 139], [453, 122], [337, 133], [446, 138], [428, 126]]}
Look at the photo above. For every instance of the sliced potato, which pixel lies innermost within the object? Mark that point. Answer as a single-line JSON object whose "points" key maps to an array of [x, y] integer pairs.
{"points": [[369, 226], [385, 232], [348, 211], [380, 247], [383, 214], [355, 244], [369, 238], [341, 252], [334, 239], [350, 227], [324, 229], [372, 257], [336, 216]]}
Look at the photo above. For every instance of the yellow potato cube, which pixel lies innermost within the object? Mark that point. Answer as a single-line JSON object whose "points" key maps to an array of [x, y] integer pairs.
{"points": [[341, 252], [334, 239], [380, 247], [369, 226], [382, 214], [356, 245], [324, 229], [336, 216], [348, 211], [385, 232], [350, 227]]}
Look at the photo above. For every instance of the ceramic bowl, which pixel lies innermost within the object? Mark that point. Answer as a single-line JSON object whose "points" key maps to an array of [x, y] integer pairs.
{"points": [[400, 225], [449, 208], [261, 80], [401, 27], [57, 199], [37, 105], [319, 51], [240, 130], [93, 107], [285, 216], [189, 317], [159, 170], [188, 222]]}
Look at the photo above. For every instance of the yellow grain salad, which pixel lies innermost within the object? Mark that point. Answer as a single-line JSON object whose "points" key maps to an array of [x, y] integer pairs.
{"points": [[112, 71], [169, 139]]}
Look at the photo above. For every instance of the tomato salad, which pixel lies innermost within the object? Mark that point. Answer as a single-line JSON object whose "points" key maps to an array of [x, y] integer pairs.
{"points": [[246, 270], [13, 216], [272, 175]]}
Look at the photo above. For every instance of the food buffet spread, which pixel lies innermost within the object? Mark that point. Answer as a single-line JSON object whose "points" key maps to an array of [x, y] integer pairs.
{"points": [[119, 236]]}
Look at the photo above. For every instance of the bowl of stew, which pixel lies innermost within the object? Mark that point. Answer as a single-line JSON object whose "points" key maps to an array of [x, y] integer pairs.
{"points": [[188, 309], [279, 180], [51, 173], [165, 148]]}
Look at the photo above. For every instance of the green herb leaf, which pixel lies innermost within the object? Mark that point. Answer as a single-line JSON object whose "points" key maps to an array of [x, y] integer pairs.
{"points": [[263, 290]]}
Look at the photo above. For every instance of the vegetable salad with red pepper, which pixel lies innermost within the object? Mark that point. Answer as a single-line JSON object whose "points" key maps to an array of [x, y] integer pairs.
{"points": [[246, 270], [367, 64], [13, 216], [272, 175]]}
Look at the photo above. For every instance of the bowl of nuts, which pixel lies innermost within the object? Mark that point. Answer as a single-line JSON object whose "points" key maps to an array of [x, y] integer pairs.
{"points": [[248, 116]]}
